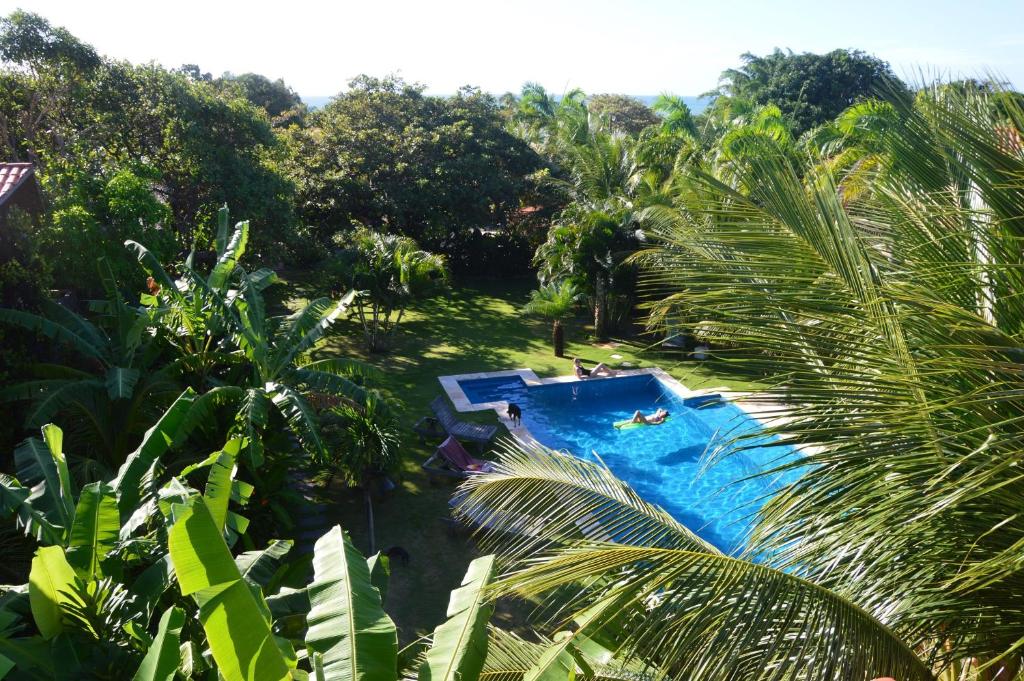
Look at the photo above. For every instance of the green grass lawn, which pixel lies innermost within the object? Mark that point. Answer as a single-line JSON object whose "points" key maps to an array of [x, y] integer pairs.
{"points": [[479, 327]]}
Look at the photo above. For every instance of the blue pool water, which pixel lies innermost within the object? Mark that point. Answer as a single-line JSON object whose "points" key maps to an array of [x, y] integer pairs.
{"points": [[665, 463]]}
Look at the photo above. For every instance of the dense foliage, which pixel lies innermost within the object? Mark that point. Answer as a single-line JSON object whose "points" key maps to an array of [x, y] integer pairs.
{"points": [[385, 156], [859, 243], [810, 89], [127, 151], [622, 113]]}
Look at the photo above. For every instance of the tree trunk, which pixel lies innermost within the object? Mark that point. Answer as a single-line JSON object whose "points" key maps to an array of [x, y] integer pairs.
{"points": [[600, 309], [558, 338]]}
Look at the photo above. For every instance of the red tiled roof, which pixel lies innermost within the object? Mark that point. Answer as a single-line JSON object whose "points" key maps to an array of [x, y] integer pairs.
{"points": [[12, 176]]}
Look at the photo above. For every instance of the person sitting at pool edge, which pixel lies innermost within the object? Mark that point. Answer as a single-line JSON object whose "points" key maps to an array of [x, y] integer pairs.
{"points": [[582, 372], [654, 419]]}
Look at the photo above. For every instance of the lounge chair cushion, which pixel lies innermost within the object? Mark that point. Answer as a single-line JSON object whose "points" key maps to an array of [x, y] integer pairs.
{"points": [[452, 451]]}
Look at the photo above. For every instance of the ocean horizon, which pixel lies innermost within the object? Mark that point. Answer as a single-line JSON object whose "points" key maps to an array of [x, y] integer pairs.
{"points": [[696, 104]]}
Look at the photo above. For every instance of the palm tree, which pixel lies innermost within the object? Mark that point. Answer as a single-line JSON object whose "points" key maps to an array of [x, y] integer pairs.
{"points": [[676, 115], [892, 321], [555, 302], [891, 312], [590, 235], [388, 272], [364, 445], [657, 596]]}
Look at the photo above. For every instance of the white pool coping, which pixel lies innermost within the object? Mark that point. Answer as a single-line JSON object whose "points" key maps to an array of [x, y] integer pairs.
{"points": [[762, 412]]}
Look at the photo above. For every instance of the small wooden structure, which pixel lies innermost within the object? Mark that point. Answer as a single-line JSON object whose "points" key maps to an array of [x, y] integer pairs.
{"points": [[18, 189]]}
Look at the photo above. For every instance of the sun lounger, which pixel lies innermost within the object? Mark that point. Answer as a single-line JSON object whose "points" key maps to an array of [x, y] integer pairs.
{"points": [[473, 432], [452, 451], [451, 460]]}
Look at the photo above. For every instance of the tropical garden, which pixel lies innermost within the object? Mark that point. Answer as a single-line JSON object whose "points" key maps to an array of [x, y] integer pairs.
{"points": [[208, 435]]}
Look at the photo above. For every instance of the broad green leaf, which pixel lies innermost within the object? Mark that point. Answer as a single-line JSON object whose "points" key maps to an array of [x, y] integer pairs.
{"points": [[31, 656], [16, 500], [228, 257], [163, 657], [241, 491], [347, 624], [95, 530], [50, 578], [251, 420], [300, 417], [380, 573], [460, 644], [236, 524], [258, 567], [236, 627], [54, 438], [153, 582], [71, 332], [287, 602], [38, 468], [218, 484], [121, 382], [151, 264], [221, 241], [155, 443]]}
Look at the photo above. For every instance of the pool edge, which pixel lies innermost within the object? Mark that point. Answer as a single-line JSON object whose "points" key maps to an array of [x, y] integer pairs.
{"points": [[450, 384]]}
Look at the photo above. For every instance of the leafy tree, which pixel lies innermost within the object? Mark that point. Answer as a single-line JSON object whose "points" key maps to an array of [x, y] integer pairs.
{"points": [[30, 40], [810, 89], [623, 113], [429, 168], [134, 152], [282, 104], [386, 273], [555, 301]]}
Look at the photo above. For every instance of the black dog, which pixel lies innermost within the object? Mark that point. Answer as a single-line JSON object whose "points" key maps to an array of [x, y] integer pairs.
{"points": [[397, 553], [515, 413]]}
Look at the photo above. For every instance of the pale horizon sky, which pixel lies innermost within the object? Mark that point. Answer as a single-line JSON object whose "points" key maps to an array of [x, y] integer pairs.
{"points": [[640, 47]]}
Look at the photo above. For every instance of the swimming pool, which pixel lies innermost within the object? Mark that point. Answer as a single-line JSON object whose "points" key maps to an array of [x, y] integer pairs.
{"points": [[663, 463]]}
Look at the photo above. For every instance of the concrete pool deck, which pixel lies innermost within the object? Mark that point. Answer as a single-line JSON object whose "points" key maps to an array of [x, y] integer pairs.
{"points": [[762, 412]]}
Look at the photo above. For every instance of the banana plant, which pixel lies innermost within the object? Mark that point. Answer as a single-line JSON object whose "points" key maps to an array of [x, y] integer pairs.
{"points": [[235, 353], [117, 385], [146, 581], [195, 310]]}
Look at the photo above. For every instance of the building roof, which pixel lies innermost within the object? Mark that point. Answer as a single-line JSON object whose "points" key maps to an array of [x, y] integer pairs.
{"points": [[13, 176]]}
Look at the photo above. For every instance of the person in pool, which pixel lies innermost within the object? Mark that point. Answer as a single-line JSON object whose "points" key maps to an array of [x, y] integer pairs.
{"points": [[582, 372], [657, 418]]}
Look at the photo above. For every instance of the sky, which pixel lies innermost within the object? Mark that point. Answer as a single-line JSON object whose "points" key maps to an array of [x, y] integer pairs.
{"points": [[637, 47]]}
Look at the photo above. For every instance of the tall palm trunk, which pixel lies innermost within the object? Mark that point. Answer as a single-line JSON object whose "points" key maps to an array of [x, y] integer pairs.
{"points": [[601, 308], [558, 338]]}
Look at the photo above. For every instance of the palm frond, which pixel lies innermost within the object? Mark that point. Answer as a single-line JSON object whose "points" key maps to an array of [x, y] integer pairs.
{"points": [[584, 539]]}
